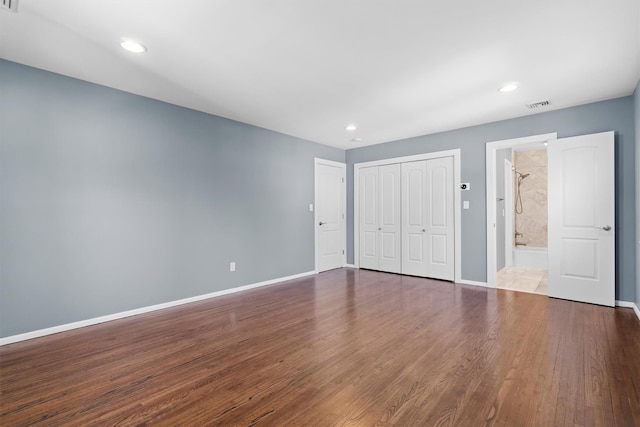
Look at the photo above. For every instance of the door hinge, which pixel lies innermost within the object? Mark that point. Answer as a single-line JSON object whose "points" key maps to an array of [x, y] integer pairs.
{"points": [[343, 252], [342, 179]]}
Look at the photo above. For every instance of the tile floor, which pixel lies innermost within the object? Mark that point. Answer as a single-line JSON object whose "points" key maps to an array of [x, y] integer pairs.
{"points": [[530, 280]]}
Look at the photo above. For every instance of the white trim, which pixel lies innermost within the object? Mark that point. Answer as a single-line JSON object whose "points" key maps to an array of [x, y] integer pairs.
{"points": [[88, 322], [413, 158], [456, 154], [350, 265], [490, 202], [318, 160], [625, 304], [628, 304], [343, 166], [356, 215], [457, 211], [471, 283]]}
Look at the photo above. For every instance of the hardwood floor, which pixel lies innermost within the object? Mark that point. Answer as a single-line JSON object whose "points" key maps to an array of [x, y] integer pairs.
{"points": [[345, 347]]}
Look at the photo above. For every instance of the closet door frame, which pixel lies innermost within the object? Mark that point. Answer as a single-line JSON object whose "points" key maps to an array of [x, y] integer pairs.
{"points": [[456, 200]]}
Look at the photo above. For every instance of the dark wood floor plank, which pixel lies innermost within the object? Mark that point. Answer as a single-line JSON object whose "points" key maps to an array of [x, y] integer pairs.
{"points": [[346, 348]]}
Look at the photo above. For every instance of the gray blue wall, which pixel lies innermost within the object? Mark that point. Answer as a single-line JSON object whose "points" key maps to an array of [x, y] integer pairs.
{"points": [[616, 115], [111, 201]]}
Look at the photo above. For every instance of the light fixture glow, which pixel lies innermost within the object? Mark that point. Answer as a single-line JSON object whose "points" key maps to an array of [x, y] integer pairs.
{"points": [[351, 127], [545, 144], [356, 140], [509, 87], [133, 46]]}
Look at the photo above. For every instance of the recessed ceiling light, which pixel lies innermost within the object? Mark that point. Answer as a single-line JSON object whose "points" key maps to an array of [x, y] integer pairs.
{"points": [[133, 46], [509, 87], [356, 140], [351, 127]]}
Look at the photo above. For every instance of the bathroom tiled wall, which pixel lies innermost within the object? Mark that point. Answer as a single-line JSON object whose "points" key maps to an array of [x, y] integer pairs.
{"points": [[532, 223]]}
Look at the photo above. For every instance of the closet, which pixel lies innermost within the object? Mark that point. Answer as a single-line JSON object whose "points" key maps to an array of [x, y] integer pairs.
{"points": [[406, 218], [380, 218]]}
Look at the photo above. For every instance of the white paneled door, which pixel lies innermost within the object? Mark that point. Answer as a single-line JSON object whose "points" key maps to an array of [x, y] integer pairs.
{"points": [[440, 217], [508, 214], [389, 249], [330, 215], [428, 218], [414, 217], [369, 218], [379, 218], [581, 218]]}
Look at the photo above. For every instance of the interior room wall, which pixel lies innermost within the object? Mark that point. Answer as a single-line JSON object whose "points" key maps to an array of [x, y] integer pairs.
{"points": [[111, 201], [615, 114]]}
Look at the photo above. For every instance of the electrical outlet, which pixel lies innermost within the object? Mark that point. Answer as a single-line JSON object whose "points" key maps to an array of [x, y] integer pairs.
{"points": [[232, 266]]}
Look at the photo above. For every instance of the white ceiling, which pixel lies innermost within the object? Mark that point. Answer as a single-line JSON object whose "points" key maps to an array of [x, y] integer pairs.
{"points": [[396, 68]]}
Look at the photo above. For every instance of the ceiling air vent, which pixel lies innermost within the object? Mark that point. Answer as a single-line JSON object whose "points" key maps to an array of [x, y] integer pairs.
{"points": [[537, 105], [9, 5]]}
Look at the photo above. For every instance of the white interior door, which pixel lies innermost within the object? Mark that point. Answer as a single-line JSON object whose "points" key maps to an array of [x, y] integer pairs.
{"points": [[439, 234], [389, 248], [330, 215], [368, 212], [414, 216], [508, 214], [581, 218]]}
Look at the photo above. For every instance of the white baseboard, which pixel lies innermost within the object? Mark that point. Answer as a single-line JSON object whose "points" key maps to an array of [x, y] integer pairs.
{"points": [[628, 304], [82, 323], [472, 283], [350, 265]]}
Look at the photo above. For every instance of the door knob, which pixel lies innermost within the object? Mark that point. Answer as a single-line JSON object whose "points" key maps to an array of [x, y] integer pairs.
{"points": [[320, 223], [423, 230], [379, 228], [606, 228]]}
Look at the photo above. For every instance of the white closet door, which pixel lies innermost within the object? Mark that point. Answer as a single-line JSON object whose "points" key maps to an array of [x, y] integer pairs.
{"points": [[389, 248], [369, 217], [439, 236], [427, 218], [414, 208]]}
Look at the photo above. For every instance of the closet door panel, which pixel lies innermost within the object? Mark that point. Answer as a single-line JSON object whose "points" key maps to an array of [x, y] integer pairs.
{"points": [[406, 218], [413, 217], [368, 218], [390, 221], [440, 217]]}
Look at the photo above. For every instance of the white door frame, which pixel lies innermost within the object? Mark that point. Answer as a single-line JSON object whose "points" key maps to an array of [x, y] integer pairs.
{"points": [[457, 205], [343, 166], [491, 148]]}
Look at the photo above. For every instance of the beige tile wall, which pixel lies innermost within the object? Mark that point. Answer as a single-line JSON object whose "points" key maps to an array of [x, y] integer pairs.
{"points": [[532, 223]]}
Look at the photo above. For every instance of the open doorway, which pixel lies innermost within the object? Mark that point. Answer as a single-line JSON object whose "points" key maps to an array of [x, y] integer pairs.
{"points": [[581, 216], [521, 218], [517, 214]]}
